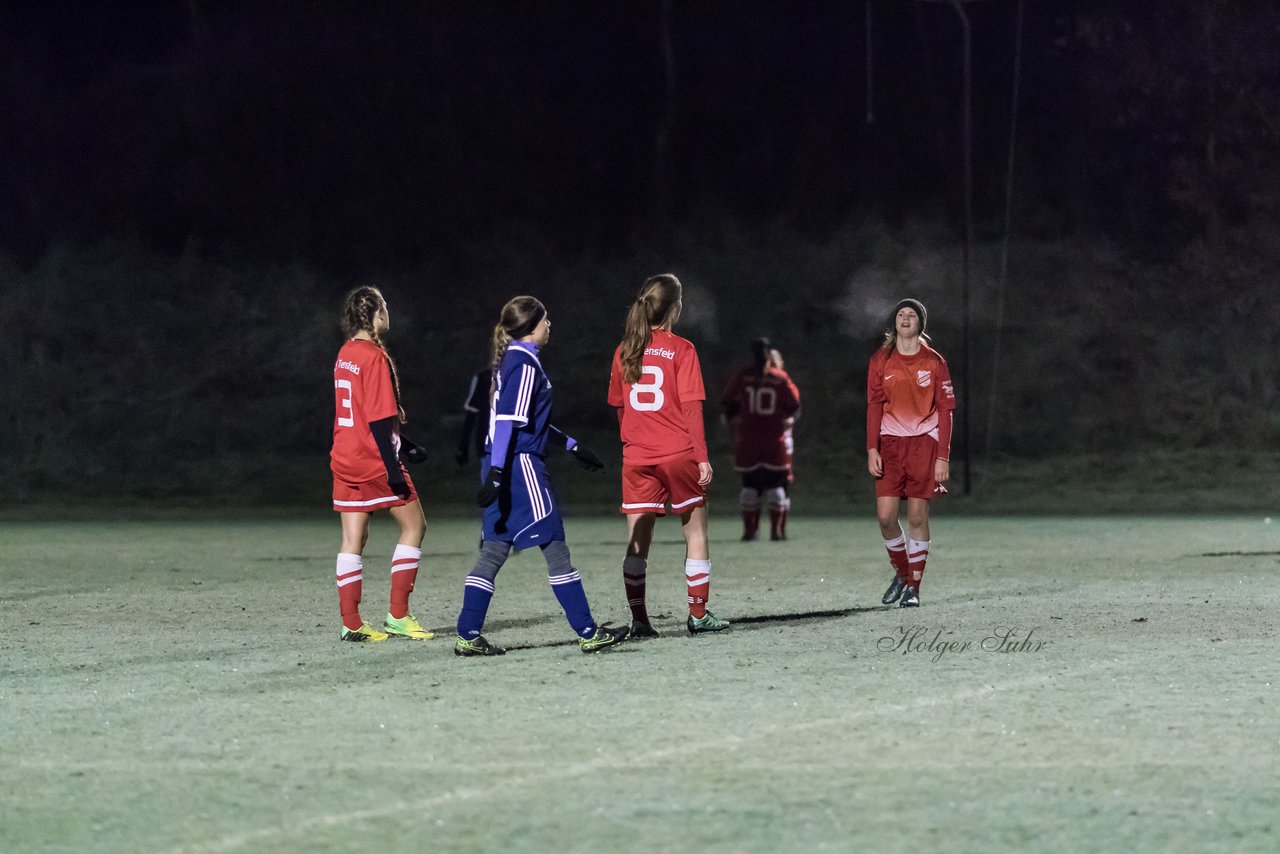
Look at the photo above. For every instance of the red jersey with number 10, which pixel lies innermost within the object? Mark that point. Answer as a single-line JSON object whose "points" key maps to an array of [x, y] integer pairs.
{"points": [[363, 393], [763, 402], [654, 426]]}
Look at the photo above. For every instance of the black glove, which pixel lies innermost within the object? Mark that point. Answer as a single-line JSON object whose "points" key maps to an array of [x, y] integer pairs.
{"points": [[400, 488], [411, 452], [460, 457], [587, 458], [490, 491]]}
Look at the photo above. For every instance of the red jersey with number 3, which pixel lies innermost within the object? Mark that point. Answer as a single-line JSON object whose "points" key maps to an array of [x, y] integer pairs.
{"points": [[654, 426], [363, 393], [763, 404]]}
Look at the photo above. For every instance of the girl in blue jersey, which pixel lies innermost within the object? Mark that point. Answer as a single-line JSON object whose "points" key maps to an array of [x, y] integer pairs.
{"points": [[519, 507]]}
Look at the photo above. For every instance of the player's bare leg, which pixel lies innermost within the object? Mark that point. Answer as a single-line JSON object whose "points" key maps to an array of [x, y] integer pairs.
{"points": [[412, 522], [635, 567], [694, 526], [350, 570], [400, 622], [697, 572]]}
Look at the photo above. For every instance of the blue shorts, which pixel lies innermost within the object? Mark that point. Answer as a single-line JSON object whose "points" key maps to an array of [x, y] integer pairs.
{"points": [[526, 514]]}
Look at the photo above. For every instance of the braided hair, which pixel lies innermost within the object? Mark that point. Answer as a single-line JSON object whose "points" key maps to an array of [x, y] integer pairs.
{"points": [[359, 314]]}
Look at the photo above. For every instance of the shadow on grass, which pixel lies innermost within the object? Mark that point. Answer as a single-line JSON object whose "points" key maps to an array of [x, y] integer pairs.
{"points": [[739, 624]]}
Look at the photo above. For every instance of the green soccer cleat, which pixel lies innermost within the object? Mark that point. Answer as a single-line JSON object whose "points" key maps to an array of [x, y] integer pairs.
{"points": [[365, 634], [406, 627], [708, 623], [476, 646], [605, 636]]}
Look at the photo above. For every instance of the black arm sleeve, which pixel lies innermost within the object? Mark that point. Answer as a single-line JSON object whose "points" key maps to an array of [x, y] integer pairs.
{"points": [[382, 430]]}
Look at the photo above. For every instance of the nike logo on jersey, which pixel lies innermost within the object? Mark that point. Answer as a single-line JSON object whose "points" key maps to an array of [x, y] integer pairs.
{"points": [[888, 376]]}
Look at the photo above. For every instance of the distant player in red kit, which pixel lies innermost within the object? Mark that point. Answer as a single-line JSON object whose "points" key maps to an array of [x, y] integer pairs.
{"points": [[367, 472], [759, 405], [909, 407], [656, 387], [788, 439]]}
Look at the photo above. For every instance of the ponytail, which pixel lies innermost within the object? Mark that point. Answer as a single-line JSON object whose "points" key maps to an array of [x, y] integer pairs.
{"points": [[657, 305], [520, 316], [500, 342]]}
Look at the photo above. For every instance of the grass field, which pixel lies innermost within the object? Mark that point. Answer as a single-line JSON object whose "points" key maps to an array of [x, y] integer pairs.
{"points": [[180, 687]]}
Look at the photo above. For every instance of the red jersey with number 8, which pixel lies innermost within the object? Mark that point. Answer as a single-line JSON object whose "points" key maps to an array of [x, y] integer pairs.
{"points": [[654, 426], [363, 393]]}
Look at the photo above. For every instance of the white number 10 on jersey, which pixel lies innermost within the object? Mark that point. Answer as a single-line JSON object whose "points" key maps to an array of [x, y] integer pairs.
{"points": [[650, 390]]}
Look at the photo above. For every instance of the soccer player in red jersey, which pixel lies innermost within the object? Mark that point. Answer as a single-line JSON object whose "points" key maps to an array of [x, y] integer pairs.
{"points": [[367, 472], [909, 410], [759, 405], [788, 439], [656, 387]]}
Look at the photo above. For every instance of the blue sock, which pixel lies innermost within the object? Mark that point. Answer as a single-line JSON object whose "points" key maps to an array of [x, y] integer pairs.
{"points": [[475, 605], [569, 592]]}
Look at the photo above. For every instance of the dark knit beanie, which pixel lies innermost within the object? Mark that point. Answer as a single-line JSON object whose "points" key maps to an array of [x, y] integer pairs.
{"points": [[916, 306]]}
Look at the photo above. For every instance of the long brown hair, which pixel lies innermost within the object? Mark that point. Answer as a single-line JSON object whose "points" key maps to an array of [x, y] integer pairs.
{"points": [[520, 316], [657, 304], [359, 312]]}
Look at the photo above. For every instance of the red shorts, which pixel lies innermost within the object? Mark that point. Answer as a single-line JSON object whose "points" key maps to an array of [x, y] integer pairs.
{"points": [[647, 489], [908, 467], [371, 495]]}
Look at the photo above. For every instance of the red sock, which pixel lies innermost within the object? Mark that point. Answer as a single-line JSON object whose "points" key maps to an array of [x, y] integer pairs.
{"points": [[776, 521], [897, 550], [782, 522], [350, 580], [750, 523], [917, 554], [697, 574], [404, 572], [634, 570]]}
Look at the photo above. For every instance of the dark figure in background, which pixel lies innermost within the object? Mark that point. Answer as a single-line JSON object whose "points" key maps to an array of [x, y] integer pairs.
{"points": [[759, 405], [475, 419]]}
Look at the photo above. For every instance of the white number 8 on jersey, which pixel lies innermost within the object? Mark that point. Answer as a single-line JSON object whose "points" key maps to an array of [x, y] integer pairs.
{"points": [[653, 389]]}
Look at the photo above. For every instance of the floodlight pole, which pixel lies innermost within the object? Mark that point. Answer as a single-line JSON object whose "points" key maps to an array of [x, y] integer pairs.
{"points": [[958, 5]]}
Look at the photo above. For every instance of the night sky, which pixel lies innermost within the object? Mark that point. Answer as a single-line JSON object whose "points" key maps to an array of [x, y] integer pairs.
{"points": [[339, 133]]}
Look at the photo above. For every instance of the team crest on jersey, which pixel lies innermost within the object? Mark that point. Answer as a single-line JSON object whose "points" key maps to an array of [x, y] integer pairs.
{"points": [[924, 378]]}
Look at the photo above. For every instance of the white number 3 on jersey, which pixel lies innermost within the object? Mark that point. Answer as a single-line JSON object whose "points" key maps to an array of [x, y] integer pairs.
{"points": [[651, 390], [343, 388]]}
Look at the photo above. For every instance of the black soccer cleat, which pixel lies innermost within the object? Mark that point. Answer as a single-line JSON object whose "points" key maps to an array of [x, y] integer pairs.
{"points": [[476, 646], [643, 631], [895, 590], [910, 598]]}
